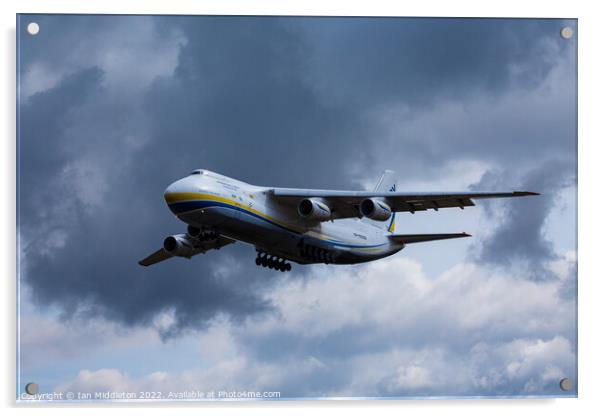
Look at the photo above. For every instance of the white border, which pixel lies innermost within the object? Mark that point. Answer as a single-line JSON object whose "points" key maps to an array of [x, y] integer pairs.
{"points": [[589, 150]]}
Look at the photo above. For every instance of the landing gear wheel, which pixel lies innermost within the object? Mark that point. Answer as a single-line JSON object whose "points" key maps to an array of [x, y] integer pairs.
{"points": [[273, 262]]}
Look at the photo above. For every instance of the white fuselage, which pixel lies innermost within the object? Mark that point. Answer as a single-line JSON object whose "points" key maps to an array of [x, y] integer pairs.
{"points": [[245, 212]]}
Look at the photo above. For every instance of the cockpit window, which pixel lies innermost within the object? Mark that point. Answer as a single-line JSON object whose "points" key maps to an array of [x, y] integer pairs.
{"points": [[197, 172]]}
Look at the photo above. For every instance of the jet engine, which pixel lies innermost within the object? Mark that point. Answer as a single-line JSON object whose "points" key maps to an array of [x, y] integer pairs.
{"points": [[313, 209], [375, 209], [180, 245]]}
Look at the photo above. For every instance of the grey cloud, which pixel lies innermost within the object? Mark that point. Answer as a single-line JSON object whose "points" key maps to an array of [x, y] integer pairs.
{"points": [[94, 270], [240, 106], [368, 61], [459, 328], [278, 101], [388, 330], [424, 93], [521, 224]]}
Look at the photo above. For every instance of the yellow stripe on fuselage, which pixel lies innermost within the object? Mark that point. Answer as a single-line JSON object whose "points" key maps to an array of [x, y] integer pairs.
{"points": [[172, 197], [192, 196]]}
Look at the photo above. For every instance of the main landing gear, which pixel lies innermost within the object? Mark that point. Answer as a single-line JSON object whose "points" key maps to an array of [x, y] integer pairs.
{"points": [[202, 234], [315, 254], [273, 262]]}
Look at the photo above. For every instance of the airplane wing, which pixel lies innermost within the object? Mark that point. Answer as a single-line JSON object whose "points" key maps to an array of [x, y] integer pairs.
{"points": [[345, 204], [420, 238], [200, 247], [156, 257]]}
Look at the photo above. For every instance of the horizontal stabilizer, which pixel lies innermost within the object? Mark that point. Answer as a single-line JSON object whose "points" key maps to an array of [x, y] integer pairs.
{"points": [[419, 238]]}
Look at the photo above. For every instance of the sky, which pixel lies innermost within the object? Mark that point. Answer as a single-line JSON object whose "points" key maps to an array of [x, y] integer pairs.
{"points": [[112, 109]]}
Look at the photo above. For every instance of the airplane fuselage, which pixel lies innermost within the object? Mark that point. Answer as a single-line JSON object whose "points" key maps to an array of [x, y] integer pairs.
{"points": [[244, 212]]}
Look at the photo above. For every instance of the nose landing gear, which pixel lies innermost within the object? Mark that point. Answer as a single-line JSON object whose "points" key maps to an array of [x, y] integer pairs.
{"points": [[273, 262]]}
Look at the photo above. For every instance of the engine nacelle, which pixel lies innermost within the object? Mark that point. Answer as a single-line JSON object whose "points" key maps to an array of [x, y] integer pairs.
{"points": [[313, 209], [375, 209], [180, 245]]}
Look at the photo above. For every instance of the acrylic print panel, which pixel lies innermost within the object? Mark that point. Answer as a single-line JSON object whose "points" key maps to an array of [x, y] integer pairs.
{"points": [[201, 213]]}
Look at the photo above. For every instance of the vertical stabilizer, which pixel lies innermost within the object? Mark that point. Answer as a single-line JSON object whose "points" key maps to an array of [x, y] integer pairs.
{"points": [[386, 183]]}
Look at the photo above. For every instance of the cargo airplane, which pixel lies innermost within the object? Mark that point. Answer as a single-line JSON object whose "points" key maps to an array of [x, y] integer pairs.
{"points": [[305, 226]]}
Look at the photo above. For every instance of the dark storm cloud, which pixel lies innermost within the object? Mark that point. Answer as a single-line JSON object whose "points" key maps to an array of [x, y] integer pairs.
{"points": [[238, 104], [270, 101], [406, 70], [384, 61], [520, 233], [95, 272], [42, 123], [290, 95]]}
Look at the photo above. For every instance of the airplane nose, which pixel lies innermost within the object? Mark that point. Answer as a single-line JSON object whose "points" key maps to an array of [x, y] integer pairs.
{"points": [[178, 195], [172, 191], [169, 190], [168, 194]]}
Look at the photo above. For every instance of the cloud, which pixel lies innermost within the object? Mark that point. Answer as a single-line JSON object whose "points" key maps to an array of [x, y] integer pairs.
{"points": [[375, 325], [460, 299], [384, 329], [132, 51], [88, 170], [46, 339], [520, 127], [105, 379], [378, 62], [520, 231], [522, 367]]}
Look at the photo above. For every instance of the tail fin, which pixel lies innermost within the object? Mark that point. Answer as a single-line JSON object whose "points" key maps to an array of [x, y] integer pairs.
{"points": [[385, 183]]}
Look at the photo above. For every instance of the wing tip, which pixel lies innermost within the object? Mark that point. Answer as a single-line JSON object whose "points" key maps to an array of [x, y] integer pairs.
{"points": [[526, 193]]}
